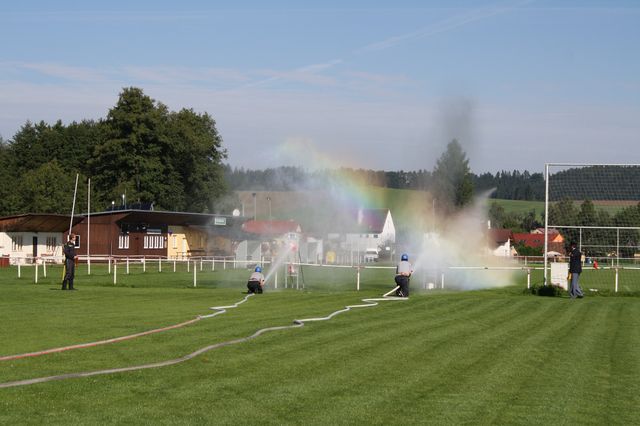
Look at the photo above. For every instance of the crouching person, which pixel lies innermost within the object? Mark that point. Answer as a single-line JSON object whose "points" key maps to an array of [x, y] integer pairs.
{"points": [[403, 272], [256, 281]]}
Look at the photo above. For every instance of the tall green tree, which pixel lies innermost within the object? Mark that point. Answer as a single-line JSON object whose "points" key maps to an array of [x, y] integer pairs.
{"points": [[453, 185], [46, 189], [129, 160], [8, 194], [171, 159], [195, 158]]}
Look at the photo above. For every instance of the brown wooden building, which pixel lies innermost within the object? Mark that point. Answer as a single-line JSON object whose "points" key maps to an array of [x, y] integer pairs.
{"points": [[157, 233]]}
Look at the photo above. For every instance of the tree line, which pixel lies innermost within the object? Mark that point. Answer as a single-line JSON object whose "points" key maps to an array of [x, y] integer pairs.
{"points": [[509, 185], [141, 153]]}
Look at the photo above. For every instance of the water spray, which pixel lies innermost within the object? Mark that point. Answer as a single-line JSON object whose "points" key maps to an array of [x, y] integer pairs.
{"points": [[283, 255]]}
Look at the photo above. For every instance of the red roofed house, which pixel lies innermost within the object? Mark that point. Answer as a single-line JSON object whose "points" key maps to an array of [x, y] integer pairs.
{"points": [[536, 239], [499, 241], [271, 228]]}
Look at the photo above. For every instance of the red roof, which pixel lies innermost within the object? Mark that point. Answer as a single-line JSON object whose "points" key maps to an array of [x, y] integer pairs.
{"points": [[271, 227], [499, 236], [529, 240], [552, 231]]}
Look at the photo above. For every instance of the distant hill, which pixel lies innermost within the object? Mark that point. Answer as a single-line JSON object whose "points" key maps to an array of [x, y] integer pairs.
{"points": [[620, 183], [315, 210]]}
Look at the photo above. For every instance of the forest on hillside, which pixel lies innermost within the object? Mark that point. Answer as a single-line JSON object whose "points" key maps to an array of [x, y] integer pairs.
{"points": [[509, 185], [578, 183]]}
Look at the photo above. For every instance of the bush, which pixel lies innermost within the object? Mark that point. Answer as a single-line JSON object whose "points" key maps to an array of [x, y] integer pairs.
{"points": [[547, 290]]}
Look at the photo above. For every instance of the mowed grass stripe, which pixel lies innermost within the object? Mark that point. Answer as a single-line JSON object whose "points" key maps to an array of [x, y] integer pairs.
{"points": [[505, 380], [258, 312], [349, 379], [340, 373], [487, 357], [624, 363], [443, 375], [554, 388]]}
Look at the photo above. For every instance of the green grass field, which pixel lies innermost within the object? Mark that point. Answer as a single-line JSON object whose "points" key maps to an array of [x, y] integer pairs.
{"points": [[492, 356], [519, 206]]}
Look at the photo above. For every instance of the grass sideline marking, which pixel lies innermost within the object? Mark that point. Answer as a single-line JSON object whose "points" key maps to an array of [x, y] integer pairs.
{"points": [[369, 302], [220, 310]]}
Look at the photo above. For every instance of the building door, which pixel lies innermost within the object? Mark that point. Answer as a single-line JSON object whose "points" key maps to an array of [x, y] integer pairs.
{"points": [[35, 247]]}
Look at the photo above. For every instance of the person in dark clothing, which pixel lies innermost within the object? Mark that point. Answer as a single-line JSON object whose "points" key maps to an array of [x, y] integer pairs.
{"points": [[575, 269], [69, 250], [403, 272], [256, 281]]}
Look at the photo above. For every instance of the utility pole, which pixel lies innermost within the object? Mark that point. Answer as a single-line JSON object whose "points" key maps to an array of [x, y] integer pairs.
{"points": [[255, 206]]}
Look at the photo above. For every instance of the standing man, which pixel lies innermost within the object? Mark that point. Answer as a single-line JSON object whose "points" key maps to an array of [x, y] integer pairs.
{"points": [[256, 281], [69, 250], [575, 269], [403, 272]]}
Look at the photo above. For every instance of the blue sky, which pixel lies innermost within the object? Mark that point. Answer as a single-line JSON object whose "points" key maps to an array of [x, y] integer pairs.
{"points": [[381, 85]]}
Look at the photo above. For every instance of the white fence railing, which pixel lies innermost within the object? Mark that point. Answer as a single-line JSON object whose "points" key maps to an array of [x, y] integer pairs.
{"points": [[287, 272]]}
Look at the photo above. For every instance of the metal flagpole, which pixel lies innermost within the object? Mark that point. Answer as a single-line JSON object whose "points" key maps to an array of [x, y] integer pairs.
{"points": [[73, 208], [88, 226]]}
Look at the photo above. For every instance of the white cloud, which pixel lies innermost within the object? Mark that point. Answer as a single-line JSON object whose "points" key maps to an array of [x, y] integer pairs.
{"points": [[56, 70], [445, 25]]}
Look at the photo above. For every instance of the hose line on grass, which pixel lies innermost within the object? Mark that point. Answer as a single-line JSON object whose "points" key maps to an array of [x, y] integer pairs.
{"points": [[220, 310], [369, 302]]}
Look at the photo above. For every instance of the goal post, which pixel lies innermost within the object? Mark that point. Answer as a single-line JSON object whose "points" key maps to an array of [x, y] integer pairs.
{"points": [[598, 207]]}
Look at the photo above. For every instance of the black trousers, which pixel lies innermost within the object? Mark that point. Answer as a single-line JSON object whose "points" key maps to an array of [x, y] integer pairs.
{"points": [[403, 282], [69, 273], [254, 287]]}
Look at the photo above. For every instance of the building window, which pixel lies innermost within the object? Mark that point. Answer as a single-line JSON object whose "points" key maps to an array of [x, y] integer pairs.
{"points": [[16, 243], [52, 243], [219, 220], [175, 241], [123, 242], [375, 235], [76, 243], [153, 242]]}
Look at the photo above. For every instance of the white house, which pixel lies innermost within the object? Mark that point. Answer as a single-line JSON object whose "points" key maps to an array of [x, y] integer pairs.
{"points": [[27, 237], [365, 231], [372, 228], [499, 242]]}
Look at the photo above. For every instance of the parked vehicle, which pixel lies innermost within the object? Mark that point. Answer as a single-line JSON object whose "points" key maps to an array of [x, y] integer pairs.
{"points": [[371, 255]]}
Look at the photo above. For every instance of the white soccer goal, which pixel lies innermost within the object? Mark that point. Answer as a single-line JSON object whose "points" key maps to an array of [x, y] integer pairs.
{"points": [[598, 207]]}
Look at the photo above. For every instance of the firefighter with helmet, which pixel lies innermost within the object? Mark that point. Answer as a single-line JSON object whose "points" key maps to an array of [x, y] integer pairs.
{"points": [[404, 269]]}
